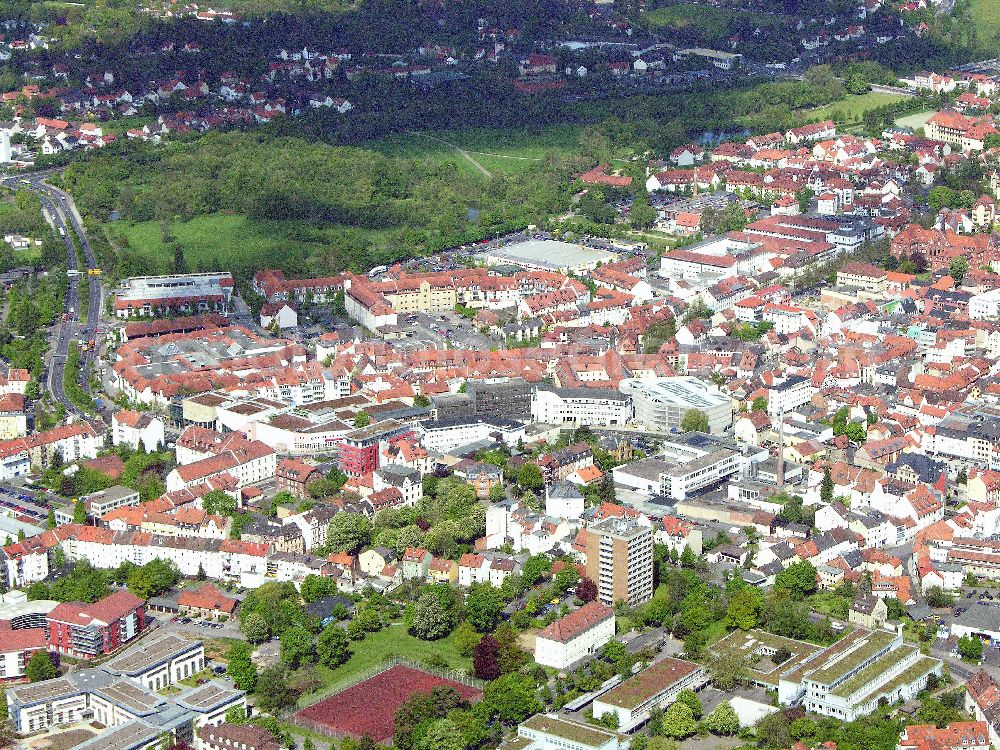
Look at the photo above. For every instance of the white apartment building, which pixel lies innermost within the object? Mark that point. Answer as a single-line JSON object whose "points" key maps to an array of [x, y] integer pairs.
{"points": [[551, 732], [851, 677], [16, 648], [14, 461], [575, 636], [578, 407], [160, 663], [444, 435], [563, 500], [985, 306], [25, 562], [128, 709], [134, 429], [403, 478], [788, 395], [681, 480], [787, 319], [180, 293], [295, 435], [249, 461], [314, 524], [105, 501]]}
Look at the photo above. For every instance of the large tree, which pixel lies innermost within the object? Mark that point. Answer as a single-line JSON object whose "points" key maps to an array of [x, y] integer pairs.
{"points": [[255, 628], [970, 648], [441, 734], [466, 639], [728, 671], [511, 698], [332, 647], [723, 720], [40, 667], [529, 477], [421, 709], [586, 590], [679, 721], [297, 647], [219, 503], [486, 661], [744, 608], [826, 487], [431, 618], [691, 699], [798, 578], [272, 692], [483, 607], [695, 420], [240, 668], [349, 532]]}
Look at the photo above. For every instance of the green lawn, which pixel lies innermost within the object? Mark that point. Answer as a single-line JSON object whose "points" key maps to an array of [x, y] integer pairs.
{"points": [[831, 604], [716, 630], [376, 648], [711, 22], [852, 107], [987, 23], [917, 120], [119, 125], [224, 241], [217, 648], [707, 19], [410, 146], [210, 242], [498, 151]]}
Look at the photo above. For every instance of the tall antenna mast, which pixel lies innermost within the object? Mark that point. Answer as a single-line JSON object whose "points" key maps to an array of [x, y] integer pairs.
{"points": [[781, 448]]}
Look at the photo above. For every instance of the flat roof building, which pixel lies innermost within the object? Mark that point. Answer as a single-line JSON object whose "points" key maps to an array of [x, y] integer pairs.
{"points": [[620, 560], [176, 293], [551, 732], [656, 686], [548, 255], [160, 663], [660, 404]]}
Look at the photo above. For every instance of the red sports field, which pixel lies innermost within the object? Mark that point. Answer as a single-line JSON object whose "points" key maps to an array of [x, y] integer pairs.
{"points": [[369, 707]]}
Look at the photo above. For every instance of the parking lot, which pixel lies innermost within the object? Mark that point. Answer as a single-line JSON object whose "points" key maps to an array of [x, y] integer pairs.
{"points": [[441, 330], [24, 502], [199, 629]]}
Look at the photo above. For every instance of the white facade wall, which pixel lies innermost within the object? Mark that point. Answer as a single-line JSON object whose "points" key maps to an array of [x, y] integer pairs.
{"points": [[444, 439], [12, 664], [560, 654], [552, 408]]}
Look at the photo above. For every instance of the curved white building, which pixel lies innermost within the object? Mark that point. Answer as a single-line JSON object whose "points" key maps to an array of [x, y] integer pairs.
{"points": [[659, 404]]}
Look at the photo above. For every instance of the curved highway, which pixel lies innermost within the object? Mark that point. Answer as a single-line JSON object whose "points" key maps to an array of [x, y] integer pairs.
{"points": [[59, 206]]}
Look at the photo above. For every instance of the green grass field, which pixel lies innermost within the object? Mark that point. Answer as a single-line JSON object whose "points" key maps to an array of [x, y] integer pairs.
{"points": [[119, 125], [376, 648], [853, 107], [226, 241], [498, 151], [916, 120], [709, 21], [209, 242], [986, 17]]}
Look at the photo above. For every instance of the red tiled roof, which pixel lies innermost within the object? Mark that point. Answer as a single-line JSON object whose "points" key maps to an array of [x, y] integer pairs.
{"points": [[207, 597], [579, 621], [103, 612], [21, 640]]}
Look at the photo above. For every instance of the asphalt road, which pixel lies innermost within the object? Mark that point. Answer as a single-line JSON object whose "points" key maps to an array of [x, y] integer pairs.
{"points": [[59, 205]]}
